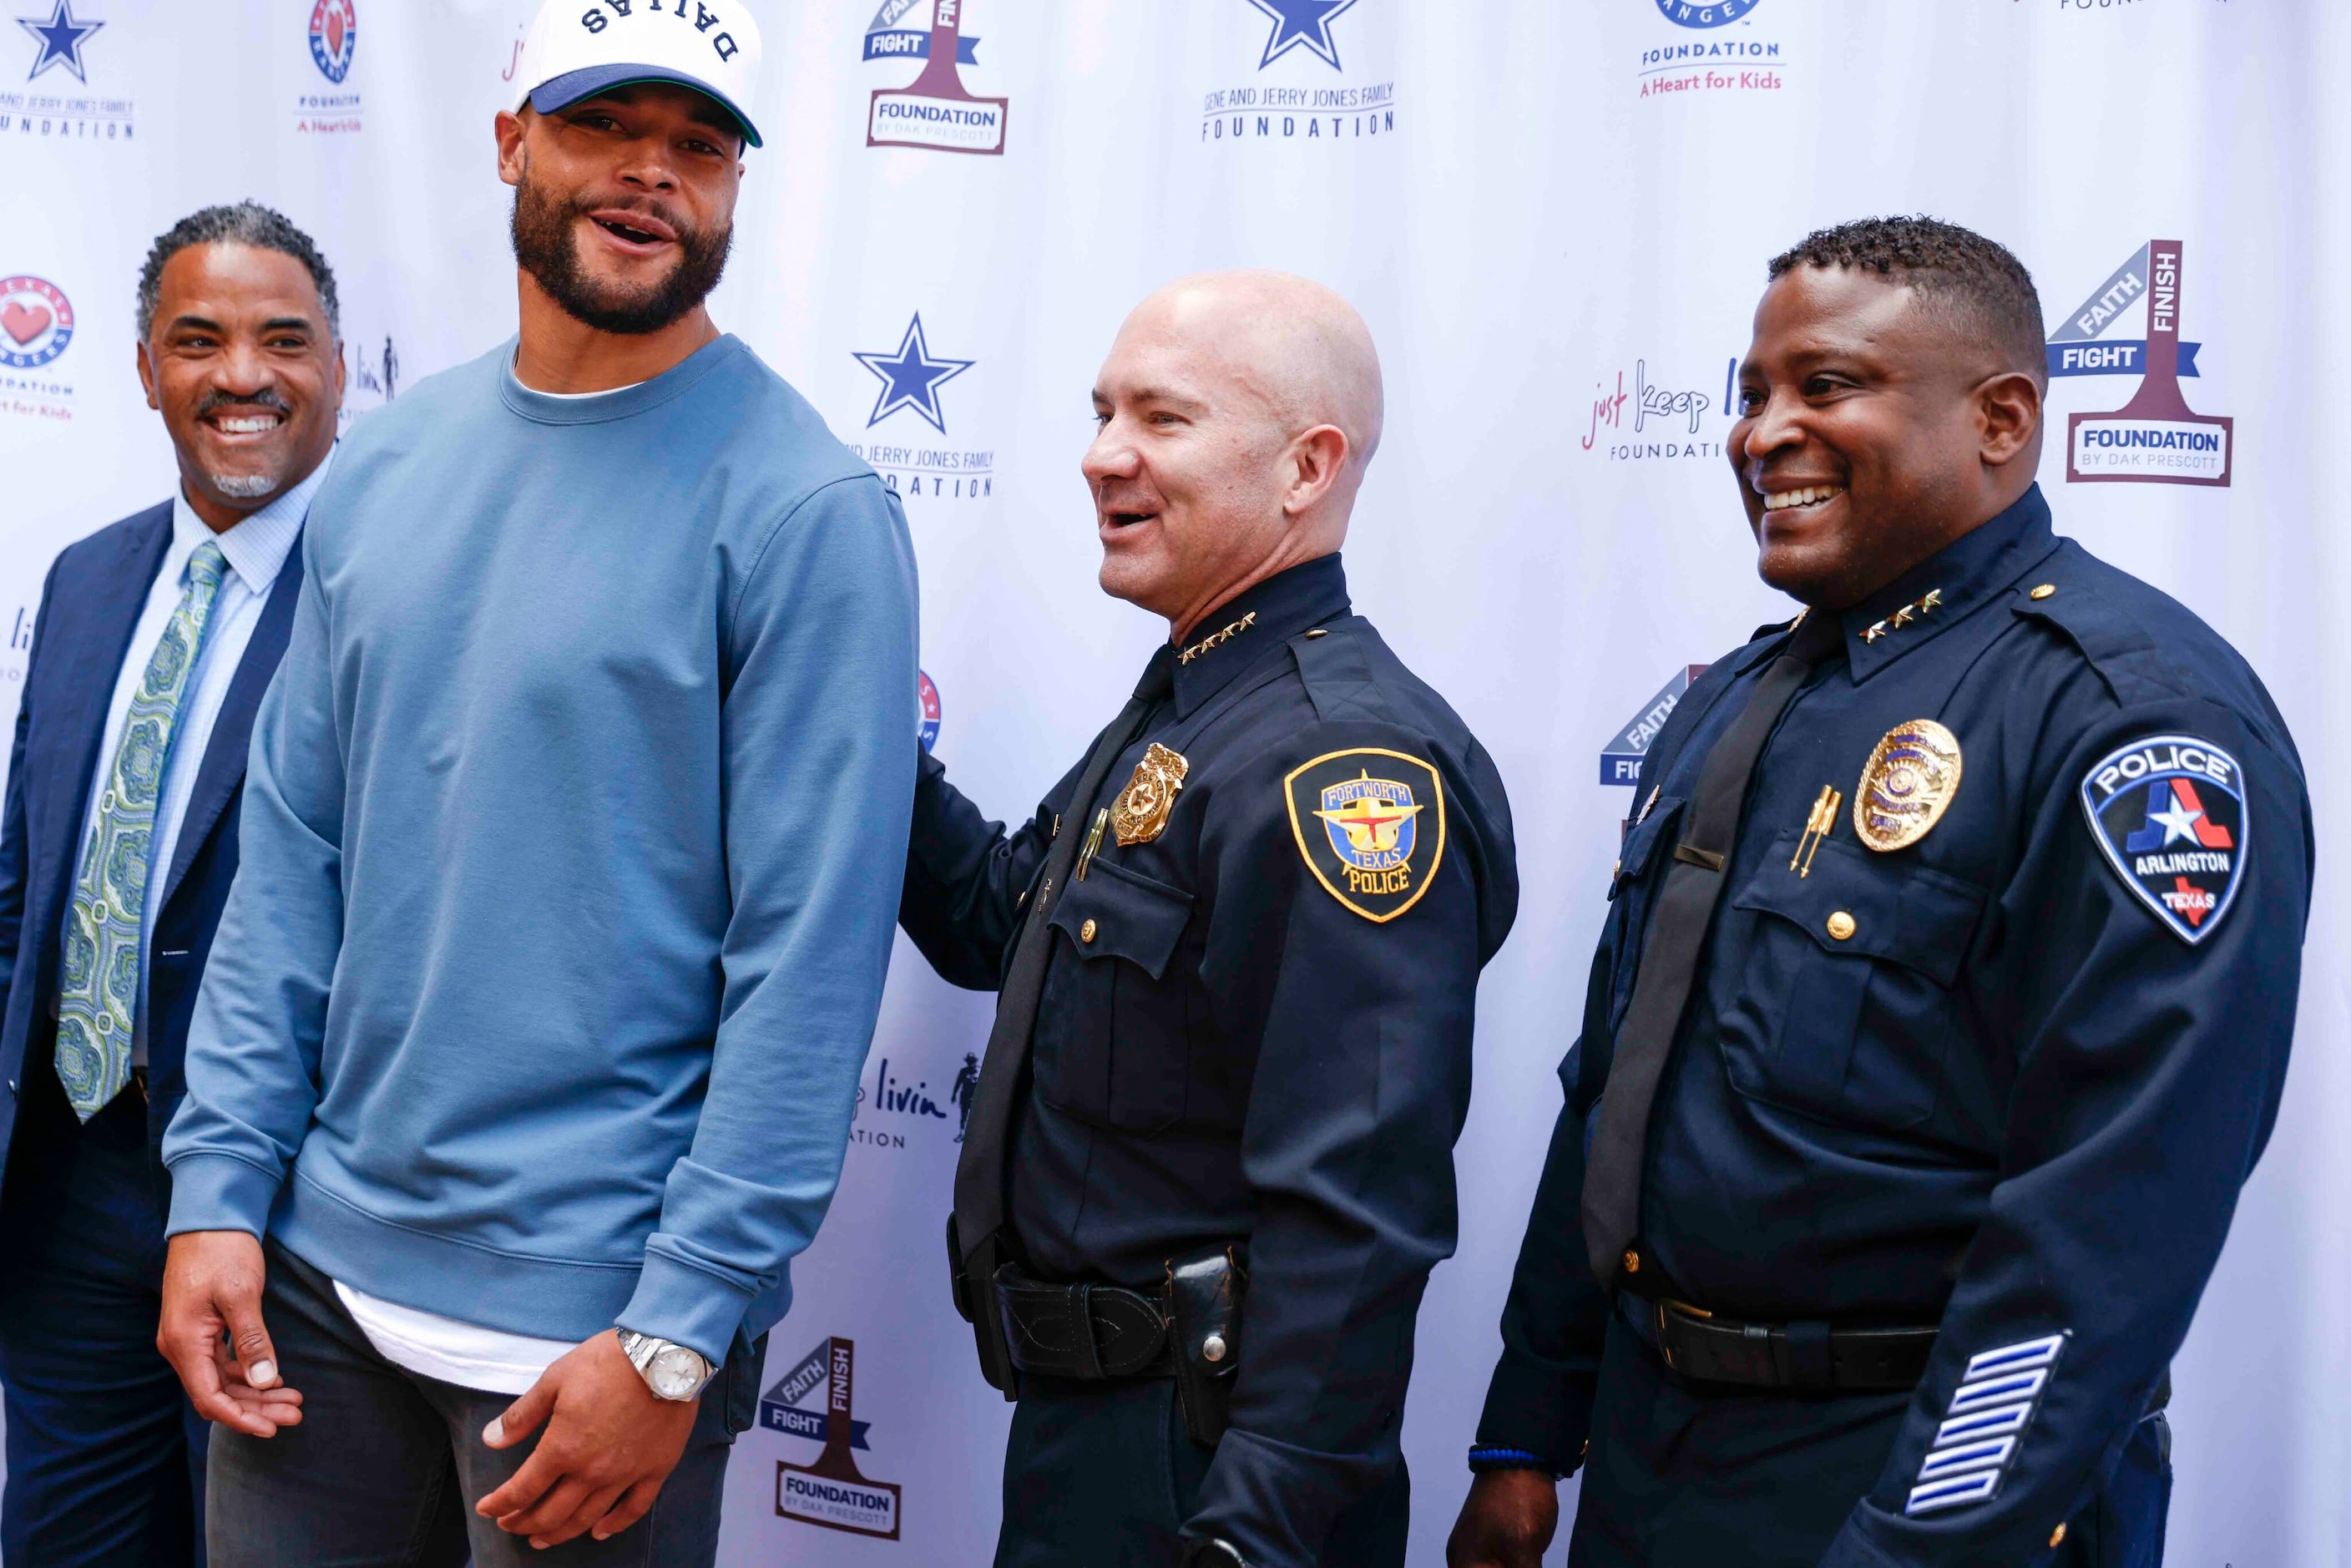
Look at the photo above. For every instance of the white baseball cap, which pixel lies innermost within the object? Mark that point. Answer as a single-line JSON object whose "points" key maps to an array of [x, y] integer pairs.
{"points": [[578, 48]]}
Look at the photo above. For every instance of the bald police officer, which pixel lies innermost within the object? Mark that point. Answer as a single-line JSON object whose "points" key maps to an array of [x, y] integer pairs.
{"points": [[1209, 1159], [1941, 1010]]}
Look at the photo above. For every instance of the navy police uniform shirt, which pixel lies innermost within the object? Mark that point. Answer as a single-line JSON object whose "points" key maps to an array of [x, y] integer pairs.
{"points": [[1255, 1024], [1995, 1054]]}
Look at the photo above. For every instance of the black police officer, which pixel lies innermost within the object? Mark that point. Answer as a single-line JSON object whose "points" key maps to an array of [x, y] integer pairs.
{"points": [[1208, 1164], [1941, 1010]]}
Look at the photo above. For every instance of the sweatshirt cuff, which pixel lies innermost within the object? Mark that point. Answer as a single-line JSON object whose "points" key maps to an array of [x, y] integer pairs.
{"points": [[685, 1305], [221, 1192]]}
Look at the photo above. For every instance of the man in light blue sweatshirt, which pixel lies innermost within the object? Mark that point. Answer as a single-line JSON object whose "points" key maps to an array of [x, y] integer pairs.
{"points": [[526, 1060]]}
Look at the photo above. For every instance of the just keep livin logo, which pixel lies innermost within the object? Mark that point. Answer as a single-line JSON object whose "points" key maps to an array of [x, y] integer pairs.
{"points": [[1361, 817], [2169, 815]]}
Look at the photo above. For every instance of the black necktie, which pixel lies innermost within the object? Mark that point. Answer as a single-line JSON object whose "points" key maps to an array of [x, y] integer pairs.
{"points": [[979, 1172], [1678, 926]]}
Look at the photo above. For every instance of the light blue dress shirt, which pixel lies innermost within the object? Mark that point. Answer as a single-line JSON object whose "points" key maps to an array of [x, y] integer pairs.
{"points": [[255, 550]]}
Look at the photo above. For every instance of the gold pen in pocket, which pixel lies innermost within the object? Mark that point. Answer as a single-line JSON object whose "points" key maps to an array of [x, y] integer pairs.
{"points": [[1093, 841], [1817, 826]]}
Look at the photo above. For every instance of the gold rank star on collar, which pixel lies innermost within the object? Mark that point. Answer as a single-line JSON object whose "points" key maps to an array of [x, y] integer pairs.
{"points": [[1926, 604], [1216, 639]]}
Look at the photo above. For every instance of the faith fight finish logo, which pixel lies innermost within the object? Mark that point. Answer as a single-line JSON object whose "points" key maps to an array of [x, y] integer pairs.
{"points": [[1361, 830], [1303, 90], [53, 111], [936, 111], [1620, 759], [2170, 815], [830, 1491], [2154, 438]]}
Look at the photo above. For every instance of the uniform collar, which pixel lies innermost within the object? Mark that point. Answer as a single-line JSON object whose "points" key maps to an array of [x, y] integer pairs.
{"points": [[1948, 587], [1244, 629], [257, 547]]}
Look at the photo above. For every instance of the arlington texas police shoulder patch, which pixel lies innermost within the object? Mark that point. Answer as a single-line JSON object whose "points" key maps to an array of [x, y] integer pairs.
{"points": [[2170, 814], [1370, 823]]}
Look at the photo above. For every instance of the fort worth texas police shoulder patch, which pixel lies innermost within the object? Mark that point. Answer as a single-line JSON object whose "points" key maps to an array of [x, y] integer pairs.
{"points": [[2170, 814], [1370, 823]]}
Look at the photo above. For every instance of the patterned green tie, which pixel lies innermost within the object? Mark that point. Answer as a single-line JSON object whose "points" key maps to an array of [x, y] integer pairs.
{"points": [[99, 985]]}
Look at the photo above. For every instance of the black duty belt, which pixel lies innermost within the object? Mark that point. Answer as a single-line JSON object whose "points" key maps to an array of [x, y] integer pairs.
{"points": [[1086, 1331], [1808, 1356], [1187, 1328]]}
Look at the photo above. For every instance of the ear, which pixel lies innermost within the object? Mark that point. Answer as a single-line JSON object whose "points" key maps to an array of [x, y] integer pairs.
{"points": [[1317, 457], [339, 377], [2008, 418], [512, 160], [147, 377]]}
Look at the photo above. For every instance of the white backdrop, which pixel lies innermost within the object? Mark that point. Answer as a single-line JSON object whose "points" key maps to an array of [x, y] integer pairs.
{"points": [[1555, 217]]}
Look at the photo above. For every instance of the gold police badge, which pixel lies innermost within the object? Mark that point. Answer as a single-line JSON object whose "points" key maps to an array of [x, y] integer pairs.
{"points": [[1140, 813], [1906, 785], [1360, 831]]}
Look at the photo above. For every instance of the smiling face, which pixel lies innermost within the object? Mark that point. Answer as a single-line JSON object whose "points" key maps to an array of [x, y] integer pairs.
{"points": [[624, 203], [1236, 413], [1873, 430], [245, 373]]}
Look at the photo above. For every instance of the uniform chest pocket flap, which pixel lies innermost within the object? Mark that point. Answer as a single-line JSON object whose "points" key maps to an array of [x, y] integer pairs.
{"points": [[1641, 842], [1843, 1007], [1114, 1035]]}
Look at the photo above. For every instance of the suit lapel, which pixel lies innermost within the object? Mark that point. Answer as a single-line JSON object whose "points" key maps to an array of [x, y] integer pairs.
{"points": [[223, 768], [105, 613]]}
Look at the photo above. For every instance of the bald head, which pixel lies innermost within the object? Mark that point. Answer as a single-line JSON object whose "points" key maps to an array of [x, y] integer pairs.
{"points": [[1239, 410]]}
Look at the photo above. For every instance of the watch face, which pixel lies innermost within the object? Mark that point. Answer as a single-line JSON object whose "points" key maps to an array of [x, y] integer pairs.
{"points": [[675, 1373]]}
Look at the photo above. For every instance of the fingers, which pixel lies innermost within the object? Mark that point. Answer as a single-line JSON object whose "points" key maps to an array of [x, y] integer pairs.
{"points": [[190, 1338], [599, 1502], [275, 1406], [522, 1418], [239, 1301], [542, 1518], [634, 1505], [525, 1486]]}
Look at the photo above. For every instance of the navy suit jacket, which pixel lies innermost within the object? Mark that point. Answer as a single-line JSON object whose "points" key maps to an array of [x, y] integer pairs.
{"points": [[90, 607]]}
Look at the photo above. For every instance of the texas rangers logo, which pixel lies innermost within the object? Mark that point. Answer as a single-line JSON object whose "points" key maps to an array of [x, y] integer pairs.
{"points": [[334, 38], [1704, 13], [1360, 828], [37, 322], [936, 111], [2170, 815], [926, 709]]}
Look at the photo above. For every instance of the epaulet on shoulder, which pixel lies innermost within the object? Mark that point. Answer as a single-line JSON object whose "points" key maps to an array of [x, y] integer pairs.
{"points": [[2115, 641], [1336, 669]]}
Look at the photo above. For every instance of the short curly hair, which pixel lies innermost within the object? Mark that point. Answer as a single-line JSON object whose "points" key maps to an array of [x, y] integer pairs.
{"points": [[1976, 284], [241, 223]]}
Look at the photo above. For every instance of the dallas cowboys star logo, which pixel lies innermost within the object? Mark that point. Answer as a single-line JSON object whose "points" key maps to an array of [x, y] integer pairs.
{"points": [[1298, 23], [911, 378], [61, 39]]}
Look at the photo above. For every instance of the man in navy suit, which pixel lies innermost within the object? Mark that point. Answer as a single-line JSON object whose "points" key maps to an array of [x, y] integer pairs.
{"points": [[156, 638]]}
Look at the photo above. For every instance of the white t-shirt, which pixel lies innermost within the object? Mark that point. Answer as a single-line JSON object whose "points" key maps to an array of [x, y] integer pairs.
{"points": [[466, 1354]]}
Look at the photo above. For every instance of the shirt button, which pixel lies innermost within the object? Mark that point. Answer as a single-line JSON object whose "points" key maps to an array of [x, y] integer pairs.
{"points": [[2043, 591], [2057, 1536], [1841, 926], [1086, 932], [1632, 1261]]}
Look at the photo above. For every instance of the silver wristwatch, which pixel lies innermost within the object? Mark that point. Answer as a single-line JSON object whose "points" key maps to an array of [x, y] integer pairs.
{"points": [[670, 1370]]}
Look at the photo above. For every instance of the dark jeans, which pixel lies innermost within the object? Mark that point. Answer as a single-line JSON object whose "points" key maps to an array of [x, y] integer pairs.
{"points": [[1103, 1475], [105, 1455], [1680, 1475], [386, 1465]]}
